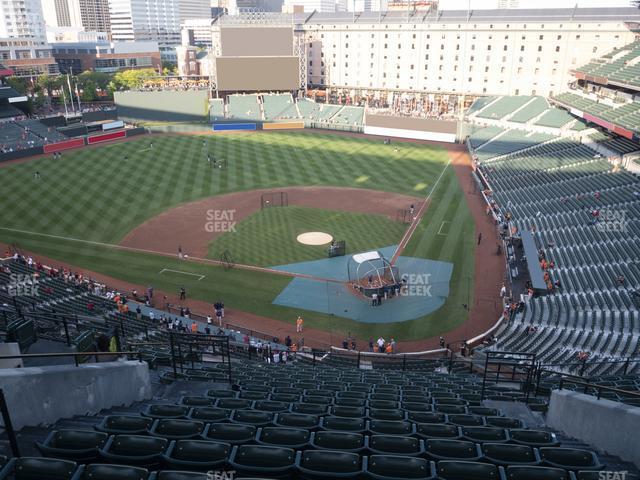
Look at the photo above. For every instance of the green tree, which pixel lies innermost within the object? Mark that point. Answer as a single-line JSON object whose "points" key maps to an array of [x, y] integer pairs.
{"points": [[18, 84], [129, 79], [89, 93]]}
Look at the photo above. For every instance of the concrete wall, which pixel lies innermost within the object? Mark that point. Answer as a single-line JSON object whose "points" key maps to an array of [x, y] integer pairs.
{"points": [[38, 395], [607, 426], [10, 349]]}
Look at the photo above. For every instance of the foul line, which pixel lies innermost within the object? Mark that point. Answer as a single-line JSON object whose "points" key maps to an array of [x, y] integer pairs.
{"points": [[180, 271], [416, 220], [171, 255], [440, 229]]}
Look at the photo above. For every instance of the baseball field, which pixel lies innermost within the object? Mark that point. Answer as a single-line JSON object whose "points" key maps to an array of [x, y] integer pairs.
{"points": [[126, 209]]}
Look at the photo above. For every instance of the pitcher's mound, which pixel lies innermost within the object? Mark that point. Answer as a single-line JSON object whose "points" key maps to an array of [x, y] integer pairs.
{"points": [[314, 238]]}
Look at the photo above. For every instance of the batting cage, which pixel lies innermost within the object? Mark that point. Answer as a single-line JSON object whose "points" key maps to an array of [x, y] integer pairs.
{"points": [[274, 199]]}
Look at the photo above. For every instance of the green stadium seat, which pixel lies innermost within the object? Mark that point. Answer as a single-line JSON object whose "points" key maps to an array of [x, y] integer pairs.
{"points": [[131, 424], [504, 422], [344, 424], [352, 394], [179, 475], [317, 400], [395, 445], [284, 397], [484, 411], [196, 454], [111, 472], [349, 402], [439, 449], [176, 429], [533, 438], [166, 411], [386, 414], [262, 460], [271, 406], [309, 408], [438, 430], [296, 438], [252, 417], [197, 401], [509, 454], [288, 390], [466, 420], [233, 433], [417, 407], [459, 470], [234, 403], [77, 445], [321, 464], [35, 468], [518, 472], [569, 458], [134, 450], [384, 396], [209, 414], [297, 420], [392, 467], [450, 409], [427, 417], [389, 404], [248, 395], [344, 441], [391, 427], [485, 434], [221, 393], [350, 412]]}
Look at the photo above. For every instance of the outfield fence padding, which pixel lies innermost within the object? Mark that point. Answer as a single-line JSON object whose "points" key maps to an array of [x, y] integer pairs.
{"points": [[227, 127], [106, 137], [66, 145]]}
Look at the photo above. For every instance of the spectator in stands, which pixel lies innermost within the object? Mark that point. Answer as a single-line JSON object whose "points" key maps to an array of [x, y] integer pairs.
{"points": [[621, 280], [345, 344], [371, 344], [209, 320], [381, 342], [287, 341], [138, 313], [353, 344], [442, 342]]}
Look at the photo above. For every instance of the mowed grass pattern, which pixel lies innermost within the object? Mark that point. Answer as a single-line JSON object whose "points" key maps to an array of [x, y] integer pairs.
{"points": [[102, 193], [268, 237], [94, 194]]}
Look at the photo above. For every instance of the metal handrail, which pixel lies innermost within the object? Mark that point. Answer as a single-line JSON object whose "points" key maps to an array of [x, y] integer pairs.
{"points": [[599, 388], [75, 355]]}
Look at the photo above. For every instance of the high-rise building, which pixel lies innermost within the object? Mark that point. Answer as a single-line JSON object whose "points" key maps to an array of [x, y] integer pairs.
{"points": [[154, 20], [92, 15], [23, 41]]}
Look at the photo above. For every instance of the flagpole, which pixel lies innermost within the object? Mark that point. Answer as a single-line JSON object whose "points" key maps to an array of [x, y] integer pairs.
{"points": [[73, 107]]}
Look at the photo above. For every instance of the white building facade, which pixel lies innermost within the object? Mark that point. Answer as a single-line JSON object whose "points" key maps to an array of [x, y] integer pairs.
{"points": [[529, 53], [23, 39]]}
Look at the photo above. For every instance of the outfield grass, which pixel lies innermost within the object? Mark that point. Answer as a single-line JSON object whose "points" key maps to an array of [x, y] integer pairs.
{"points": [[95, 195], [268, 237]]}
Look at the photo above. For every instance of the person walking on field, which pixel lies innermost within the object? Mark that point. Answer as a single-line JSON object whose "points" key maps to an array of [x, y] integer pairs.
{"points": [[183, 293], [479, 238], [299, 324]]}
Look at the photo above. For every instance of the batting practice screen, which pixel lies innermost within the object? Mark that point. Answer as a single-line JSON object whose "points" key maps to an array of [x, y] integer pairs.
{"points": [[257, 73]]}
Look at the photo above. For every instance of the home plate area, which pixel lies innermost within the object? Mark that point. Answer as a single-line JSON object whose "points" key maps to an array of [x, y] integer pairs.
{"points": [[425, 290]]}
